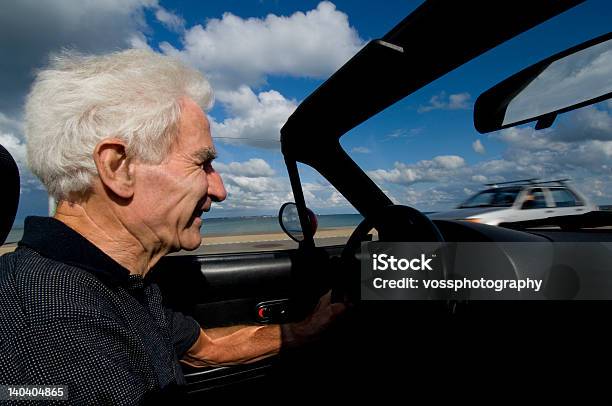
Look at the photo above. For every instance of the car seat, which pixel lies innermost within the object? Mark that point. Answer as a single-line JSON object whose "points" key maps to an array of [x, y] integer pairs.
{"points": [[10, 184]]}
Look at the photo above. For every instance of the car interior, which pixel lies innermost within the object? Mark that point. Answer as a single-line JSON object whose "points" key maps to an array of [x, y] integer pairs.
{"points": [[420, 343]]}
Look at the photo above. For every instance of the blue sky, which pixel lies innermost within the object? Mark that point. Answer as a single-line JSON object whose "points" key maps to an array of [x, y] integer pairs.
{"points": [[264, 57]]}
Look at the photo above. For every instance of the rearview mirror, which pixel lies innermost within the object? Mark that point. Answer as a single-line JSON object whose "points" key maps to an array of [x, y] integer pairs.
{"points": [[574, 78], [289, 220]]}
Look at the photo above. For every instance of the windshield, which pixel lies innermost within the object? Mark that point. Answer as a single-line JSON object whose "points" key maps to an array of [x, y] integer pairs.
{"points": [[424, 151], [492, 198]]}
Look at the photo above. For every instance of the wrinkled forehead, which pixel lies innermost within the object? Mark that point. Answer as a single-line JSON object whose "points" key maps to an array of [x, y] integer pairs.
{"points": [[194, 132], [193, 118]]}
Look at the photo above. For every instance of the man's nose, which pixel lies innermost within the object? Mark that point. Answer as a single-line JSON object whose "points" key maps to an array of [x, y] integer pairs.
{"points": [[216, 189]]}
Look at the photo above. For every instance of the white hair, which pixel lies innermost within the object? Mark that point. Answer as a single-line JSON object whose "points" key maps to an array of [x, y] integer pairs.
{"points": [[79, 100]]}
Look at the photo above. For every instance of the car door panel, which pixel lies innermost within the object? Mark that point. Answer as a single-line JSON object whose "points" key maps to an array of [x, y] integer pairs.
{"points": [[204, 285], [228, 289]]}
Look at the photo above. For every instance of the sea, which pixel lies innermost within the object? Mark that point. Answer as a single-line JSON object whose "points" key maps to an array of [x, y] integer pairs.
{"points": [[214, 227]]}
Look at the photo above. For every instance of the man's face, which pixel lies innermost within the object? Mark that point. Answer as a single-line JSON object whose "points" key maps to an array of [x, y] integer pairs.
{"points": [[169, 198]]}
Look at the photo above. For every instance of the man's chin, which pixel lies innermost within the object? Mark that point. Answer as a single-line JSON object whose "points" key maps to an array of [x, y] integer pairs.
{"points": [[192, 243], [190, 238]]}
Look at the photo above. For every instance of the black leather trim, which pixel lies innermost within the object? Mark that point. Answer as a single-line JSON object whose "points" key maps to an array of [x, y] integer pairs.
{"points": [[10, 193]]}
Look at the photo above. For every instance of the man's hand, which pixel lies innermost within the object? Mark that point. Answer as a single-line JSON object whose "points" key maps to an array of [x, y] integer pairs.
{"points": [[295, 334], [246, 344]]}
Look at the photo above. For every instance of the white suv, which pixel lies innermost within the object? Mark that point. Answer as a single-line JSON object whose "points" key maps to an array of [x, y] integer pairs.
{"points": [[522, 200]]}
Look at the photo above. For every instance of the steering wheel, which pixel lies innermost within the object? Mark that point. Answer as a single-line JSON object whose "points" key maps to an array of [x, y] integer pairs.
{"points": [[395, 223]]}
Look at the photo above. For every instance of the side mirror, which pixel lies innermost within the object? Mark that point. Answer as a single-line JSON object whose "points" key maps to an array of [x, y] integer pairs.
{"points": [[289, 220], [574, 78]]}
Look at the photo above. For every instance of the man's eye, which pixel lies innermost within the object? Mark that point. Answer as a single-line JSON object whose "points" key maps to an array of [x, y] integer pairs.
{"points": [[207, 166]]}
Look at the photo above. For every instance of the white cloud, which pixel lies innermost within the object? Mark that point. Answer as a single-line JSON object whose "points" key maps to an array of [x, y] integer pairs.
{"points": [[138, 41], [253, 168], [427, 199], [254, 198], [437, 169], [415, 131], [402, 133], [336, 199], [588, 123], [267, 194], [238, 54], [528, 138], [449, 161], [11, 138], [323, 195], [478, 147], [400, 175], [254, 184], [254, 119], [234, 51], [397, 133], [452, 171], [169, 20], [556, 150], [457, 101], [15, 146], [8, 124], [361, 150], [257, 185]]}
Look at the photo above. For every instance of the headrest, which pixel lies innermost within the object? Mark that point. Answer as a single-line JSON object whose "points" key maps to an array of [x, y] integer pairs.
{"points": [[10, 192]]}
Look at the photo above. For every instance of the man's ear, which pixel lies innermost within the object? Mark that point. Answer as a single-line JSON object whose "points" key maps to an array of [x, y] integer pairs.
{"points": [[114, 167]]}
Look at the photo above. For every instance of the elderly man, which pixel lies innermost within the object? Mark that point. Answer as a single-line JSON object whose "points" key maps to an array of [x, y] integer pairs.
{"points": [[121, 141]]}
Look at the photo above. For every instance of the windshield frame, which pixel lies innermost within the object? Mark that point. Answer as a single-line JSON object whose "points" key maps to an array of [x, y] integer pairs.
{"points": [[340, 104]]}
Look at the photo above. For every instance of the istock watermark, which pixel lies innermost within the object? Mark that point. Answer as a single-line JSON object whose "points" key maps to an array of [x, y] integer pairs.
{"points": [[382, 262], [486, 271], [458, 285]]}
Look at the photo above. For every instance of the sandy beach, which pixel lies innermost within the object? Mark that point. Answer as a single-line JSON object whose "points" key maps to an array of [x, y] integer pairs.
{"points": [[250, 242]]}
